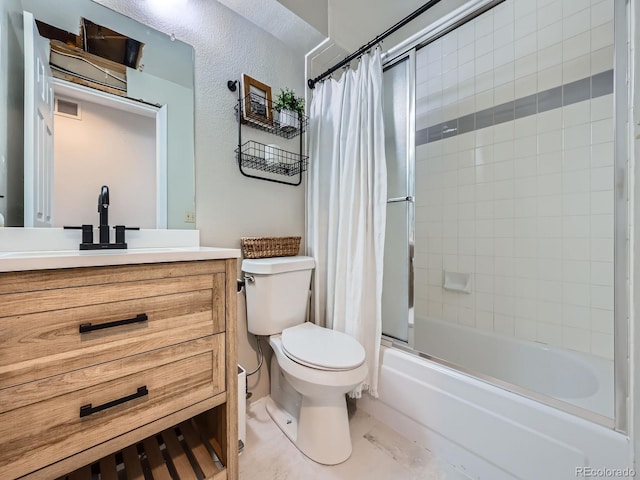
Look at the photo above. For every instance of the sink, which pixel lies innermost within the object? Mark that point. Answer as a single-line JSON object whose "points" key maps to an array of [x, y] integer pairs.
{"points": [[52, 259]]}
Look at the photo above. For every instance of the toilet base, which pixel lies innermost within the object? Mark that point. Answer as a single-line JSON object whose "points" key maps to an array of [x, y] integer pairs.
{"points": [[318, 427]]}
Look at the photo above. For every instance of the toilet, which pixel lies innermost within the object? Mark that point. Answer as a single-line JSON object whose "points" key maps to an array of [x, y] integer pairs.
{"points": [[312, 367]]}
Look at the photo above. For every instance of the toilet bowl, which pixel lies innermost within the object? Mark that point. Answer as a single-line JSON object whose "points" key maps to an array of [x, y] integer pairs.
{"points": [[312, 367], [312, 397]]}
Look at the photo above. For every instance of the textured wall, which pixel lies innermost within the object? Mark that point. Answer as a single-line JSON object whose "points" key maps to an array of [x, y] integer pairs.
{"points": [[229, 205]]}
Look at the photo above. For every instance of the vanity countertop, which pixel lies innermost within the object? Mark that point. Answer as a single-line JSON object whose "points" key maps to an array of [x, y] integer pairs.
{"points": [[44, 260]]}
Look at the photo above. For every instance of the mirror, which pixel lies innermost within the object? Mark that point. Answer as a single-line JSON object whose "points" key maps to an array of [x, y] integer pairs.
{"points": [[144, 191]]}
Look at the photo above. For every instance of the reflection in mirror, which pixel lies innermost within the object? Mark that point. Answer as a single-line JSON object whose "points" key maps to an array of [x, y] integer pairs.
{"points": [[129, 128]]}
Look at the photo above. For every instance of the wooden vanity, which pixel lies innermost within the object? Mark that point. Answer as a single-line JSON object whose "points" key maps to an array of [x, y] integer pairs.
{"points": [[126, 366]]}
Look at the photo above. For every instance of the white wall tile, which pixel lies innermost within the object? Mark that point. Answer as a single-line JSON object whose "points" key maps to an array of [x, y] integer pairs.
{"points": [[602, 60], [523, 7], [576, 114], [526, 329], [576, 339], [571, 7], [601, 12], [602, 297], [466, 316], [602, 154], [602, 203], [525, 206], [549, 205], [602, 36], [504, 286], [602, 226], [504, 266], [449, 43], [549, 291], [526, 25], [576, 226], [602, 107], [526, 167], [466, 54], [576, 181], [576, 46], [526, 288], [526, 65], [484, 45], [503, 14], [576, 294], [527, 268], [550, 35], [525, 127], [549, 270], [576, 23], [549, 312], [576, 316], [602, 345], [576, 271], [550, 184], [577, 136], [602, 131], [576, 69], [576, 159], [550, 56], [550, 142], [550, 248], [576, 249], [550, 162], [504, 324], [549, 334], [576, 204], [549, 13], [602, 179], [552, 77], [602, 320], [504, 208], [602, 249], [484, 320]]}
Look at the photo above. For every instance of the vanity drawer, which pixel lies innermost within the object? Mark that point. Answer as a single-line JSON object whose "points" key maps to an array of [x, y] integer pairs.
{"points": [[123, 395], [46, 333]]}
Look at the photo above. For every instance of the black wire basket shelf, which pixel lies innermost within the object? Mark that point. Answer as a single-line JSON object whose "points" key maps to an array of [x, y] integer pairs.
{"points": [[258, 112], [269, 158]]}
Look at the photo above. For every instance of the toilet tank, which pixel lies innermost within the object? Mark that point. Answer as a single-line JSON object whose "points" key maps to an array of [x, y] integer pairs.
{"points": [[277, 292]]}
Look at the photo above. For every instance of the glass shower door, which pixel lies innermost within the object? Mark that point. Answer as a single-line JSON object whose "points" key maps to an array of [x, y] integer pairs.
{"points": [[397, 291]]}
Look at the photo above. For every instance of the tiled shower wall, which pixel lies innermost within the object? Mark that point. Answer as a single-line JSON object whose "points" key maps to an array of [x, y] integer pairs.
{"points": [[514, 173]]}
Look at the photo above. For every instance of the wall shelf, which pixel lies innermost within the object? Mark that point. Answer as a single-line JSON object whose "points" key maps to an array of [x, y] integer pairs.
{"points": [[258, 156], [256, 159]]}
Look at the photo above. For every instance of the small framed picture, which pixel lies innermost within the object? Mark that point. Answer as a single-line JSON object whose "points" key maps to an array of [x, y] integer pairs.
{"points": [[257, 101]]}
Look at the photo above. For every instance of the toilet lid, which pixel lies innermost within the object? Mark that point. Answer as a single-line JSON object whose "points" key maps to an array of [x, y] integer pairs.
{"points": [[322, 348]]}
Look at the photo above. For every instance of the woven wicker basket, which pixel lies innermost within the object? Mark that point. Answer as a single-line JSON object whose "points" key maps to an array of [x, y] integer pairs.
{"points": [[261, 247]]}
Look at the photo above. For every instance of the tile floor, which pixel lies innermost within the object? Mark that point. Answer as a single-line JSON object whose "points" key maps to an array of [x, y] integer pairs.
{"points": [[379, 453]]}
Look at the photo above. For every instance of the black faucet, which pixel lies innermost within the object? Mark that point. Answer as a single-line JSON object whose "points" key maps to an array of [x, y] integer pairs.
{"points": [[87, 230], [103, 210]]}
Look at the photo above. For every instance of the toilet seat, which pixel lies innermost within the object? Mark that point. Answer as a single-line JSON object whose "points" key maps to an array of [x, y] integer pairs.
{"points": [[322, 348]]}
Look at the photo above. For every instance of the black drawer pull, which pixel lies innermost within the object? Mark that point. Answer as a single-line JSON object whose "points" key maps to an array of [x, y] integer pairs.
{"points": [[87, 327], [86, 410]]}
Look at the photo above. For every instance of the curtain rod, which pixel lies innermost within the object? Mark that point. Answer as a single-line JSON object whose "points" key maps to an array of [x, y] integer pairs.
{"points": [[412, 16]]}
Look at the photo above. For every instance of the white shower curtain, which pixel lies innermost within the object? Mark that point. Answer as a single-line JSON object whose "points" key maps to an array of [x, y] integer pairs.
{"points": [[347, 202]]}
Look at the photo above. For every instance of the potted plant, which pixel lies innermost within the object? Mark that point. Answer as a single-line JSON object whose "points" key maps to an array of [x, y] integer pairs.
{"points": [[290, 109]]}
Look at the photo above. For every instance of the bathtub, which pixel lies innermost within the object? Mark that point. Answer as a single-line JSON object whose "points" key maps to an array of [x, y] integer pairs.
{"points": [[491, 432], [585, 381]]}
